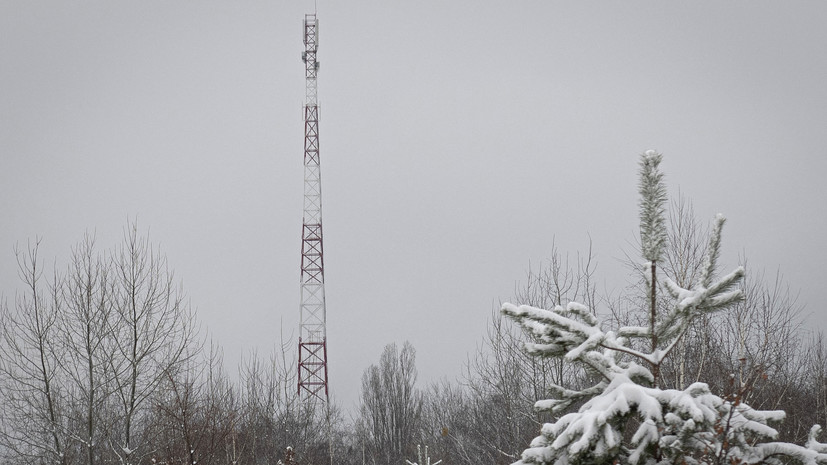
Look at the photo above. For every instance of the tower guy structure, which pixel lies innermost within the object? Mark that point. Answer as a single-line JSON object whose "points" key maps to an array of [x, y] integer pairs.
{"points": [[313, 317]]}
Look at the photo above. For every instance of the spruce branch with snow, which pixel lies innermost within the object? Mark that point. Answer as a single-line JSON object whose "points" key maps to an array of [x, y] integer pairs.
{"points": [[623, 417]]}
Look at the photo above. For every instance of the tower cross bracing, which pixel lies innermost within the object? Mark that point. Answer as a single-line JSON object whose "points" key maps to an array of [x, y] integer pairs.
{"points": [[312, 324]]}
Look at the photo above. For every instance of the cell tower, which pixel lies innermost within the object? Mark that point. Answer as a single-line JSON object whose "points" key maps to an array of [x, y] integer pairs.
{"points": [[313, 317]]}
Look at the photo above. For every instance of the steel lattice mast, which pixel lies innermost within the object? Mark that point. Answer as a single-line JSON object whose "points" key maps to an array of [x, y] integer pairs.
{"points": [[312, 323]]}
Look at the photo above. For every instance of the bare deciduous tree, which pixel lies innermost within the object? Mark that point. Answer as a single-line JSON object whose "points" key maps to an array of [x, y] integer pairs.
{"points": [[32, 425], [153, 331], [86, 343], [391, 405]]}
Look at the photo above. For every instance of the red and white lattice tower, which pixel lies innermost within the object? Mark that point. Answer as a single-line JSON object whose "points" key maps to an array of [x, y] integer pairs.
{"points": [[312, 329]]}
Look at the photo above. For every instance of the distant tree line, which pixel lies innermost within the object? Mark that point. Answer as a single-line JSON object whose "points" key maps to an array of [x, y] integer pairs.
{"points": [[103, 362]]}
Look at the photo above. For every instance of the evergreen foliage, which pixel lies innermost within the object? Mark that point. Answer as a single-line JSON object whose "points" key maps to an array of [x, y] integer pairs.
{"points": [[623, 417], [652, 206]]}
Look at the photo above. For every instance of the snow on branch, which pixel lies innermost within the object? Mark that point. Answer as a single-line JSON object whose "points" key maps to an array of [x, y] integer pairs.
{"points": [[624, 418], [691, 425], [652, 206]]}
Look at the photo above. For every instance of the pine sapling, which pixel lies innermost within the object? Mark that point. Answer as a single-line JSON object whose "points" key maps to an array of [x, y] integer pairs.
{"points": [[624, 417]]}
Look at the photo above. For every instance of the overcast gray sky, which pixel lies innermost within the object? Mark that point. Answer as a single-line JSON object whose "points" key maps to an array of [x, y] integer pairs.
{"points": [[458, 139]]}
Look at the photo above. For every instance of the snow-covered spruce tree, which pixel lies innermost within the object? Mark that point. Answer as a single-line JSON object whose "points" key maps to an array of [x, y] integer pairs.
{"points": [[624, 417]]}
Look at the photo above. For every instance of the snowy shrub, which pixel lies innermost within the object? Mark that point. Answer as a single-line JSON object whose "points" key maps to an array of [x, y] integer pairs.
{"points": [[624, 417]]}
